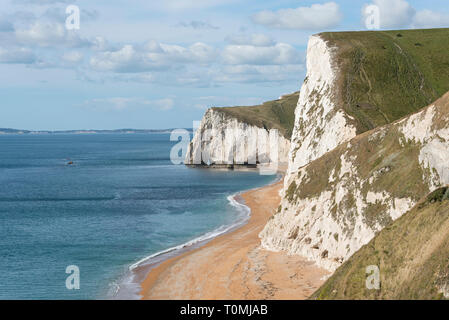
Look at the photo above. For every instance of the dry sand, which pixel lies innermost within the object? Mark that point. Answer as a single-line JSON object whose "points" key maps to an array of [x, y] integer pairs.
{"points": [[234, 266]]}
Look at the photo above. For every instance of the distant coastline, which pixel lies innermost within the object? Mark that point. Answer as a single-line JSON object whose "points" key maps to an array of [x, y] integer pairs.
{"points": [[122, 131]]}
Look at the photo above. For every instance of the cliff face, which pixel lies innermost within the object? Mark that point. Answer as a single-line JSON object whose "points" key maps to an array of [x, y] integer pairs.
{"points": [[337, 203], [353, 166], [357, 81], [411, 256], [244, 135], [320, 122], [345, 183]]}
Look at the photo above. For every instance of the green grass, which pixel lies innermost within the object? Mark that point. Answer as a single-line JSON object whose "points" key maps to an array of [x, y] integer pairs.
{"points": [[385, 75], [412, 254], [277, 114], [291, 191]]}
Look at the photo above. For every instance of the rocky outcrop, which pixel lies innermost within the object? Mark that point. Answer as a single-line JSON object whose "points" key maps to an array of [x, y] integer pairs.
{"points": [[337, 203], [245, 136], [225, 141]]}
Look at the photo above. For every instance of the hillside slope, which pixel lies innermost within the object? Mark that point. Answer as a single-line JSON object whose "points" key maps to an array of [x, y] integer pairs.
{"points": [[337, 203], [385, 75], [357, 81], [278, 114], [412, 255], [239, 135]]}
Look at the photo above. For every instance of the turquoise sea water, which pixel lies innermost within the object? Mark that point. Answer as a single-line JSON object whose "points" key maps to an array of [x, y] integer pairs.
{"points": [[120, 202]]}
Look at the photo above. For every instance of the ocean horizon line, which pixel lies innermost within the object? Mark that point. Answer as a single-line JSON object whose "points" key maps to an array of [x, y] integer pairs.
{"points": [[89, 131]]}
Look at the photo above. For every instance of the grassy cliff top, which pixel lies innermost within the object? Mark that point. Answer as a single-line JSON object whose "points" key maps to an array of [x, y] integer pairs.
{"points": [[382, 76], [385, 75], [277, 114], [412, 255]]}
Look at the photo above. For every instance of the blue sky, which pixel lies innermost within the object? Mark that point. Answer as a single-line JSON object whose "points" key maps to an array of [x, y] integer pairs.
{"points": [[161, 64]]}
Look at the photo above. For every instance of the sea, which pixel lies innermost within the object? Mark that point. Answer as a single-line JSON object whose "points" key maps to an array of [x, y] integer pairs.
{"points": [[77, 231]]}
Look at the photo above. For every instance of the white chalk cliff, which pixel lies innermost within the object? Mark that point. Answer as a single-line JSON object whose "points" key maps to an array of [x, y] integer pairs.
{"points": [[223, 140], [340, 188], [337, 203], [320, 123]]}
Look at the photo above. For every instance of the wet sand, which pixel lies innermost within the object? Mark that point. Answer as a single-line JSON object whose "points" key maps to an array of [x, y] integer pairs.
{"points": [[234, 266]]}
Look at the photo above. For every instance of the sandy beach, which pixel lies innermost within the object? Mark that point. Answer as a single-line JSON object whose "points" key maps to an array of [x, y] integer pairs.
{"points": [[234, 266]]}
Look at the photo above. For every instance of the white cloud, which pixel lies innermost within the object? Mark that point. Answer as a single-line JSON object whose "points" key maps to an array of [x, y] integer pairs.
{"points": [[42, 34], [73, 57], [42, 2], [16, 56], [197, 53], [393, 13], [258, 40], [430, 19], [124, 60], [58, 14], [281, 53], [315, 17], [152, 56], [192, 4], [99, 44], [198, 25], [45, 34], [45, 43], [201, 65], [153, 46], [123, 103], [257, 74]]}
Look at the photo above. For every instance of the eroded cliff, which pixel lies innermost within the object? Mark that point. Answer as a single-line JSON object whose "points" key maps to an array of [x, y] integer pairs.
{"points": [[338, 194], [410, 257], [337, 203], [244, 135]]}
